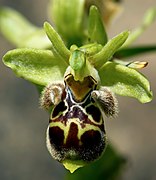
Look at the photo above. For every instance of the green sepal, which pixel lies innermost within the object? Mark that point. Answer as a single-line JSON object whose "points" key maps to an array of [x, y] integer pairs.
{"points": [[58, 46], [68, 19], [20, 32], [38, 66], [96, 30], [125, 81], [107, 52]]}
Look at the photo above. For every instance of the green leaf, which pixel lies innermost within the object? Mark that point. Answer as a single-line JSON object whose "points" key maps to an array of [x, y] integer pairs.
{"points": [[108, 167], [107, 52], [68, 17], [96, 30], [38, 66], [125, 81], [133, 51], [19, 31], [148, 19], [58, 46]]}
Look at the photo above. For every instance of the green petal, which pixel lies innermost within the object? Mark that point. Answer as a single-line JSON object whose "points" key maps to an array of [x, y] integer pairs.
{"points": [[68, 16], [37, 66], [125, 81], [96, 30], [58, 46], [107, 52], [19, 31]]}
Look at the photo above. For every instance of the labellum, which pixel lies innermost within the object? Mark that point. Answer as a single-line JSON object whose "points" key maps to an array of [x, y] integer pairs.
{"points": [[76, 133]]}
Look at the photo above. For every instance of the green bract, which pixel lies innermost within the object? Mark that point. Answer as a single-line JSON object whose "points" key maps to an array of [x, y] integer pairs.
{"points": [[68, 17], [96, 31], [20, 31]]}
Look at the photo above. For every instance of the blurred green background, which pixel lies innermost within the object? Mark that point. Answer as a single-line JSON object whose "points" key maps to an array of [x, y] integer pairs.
{"points": [[23, 153]]}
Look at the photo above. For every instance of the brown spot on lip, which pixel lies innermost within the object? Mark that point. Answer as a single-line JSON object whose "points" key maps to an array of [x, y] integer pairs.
{"points": [[93, 144], [94, 112], [91, 138], [56, 136], [59, 108]]}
